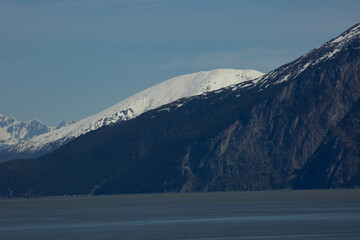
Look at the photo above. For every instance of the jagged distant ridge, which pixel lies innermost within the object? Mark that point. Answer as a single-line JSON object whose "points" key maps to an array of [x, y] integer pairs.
{"points": [[13, 132]]}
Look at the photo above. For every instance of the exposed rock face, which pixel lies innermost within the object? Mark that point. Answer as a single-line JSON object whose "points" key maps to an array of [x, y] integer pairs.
{"points": [[297, 127], [285, 131], [336, 163]]}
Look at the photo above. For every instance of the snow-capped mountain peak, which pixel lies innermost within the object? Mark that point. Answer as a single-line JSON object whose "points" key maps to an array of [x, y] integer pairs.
{"points": [[151, 98], [314, 57]]}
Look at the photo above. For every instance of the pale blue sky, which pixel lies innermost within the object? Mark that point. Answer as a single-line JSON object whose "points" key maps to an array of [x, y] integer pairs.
{"points": [[66, 60]]}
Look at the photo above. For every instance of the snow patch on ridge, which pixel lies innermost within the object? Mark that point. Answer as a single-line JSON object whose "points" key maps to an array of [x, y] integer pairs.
{"points": [[314, 57], [353, 32]]}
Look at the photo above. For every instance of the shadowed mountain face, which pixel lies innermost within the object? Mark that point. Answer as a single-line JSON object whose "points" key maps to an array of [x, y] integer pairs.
{"points": [[297, 127], [336, 163]]}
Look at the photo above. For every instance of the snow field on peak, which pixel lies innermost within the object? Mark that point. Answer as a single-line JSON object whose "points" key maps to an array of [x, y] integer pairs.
{"points": [[148, 99]]}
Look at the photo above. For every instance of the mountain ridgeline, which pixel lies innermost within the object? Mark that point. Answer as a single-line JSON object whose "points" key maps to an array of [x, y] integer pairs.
{"points": [[296, 127]]}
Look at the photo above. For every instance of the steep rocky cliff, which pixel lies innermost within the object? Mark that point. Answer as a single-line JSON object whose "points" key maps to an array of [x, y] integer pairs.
{"points": [[336, 163]]}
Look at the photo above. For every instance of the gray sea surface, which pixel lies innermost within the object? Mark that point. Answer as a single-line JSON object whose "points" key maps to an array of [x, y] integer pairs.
{"points": [[310, 214]]}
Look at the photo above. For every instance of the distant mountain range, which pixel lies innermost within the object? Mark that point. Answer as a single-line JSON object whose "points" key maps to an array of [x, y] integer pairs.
{"points": [[44, 139], [295, 127], [13, 132]]}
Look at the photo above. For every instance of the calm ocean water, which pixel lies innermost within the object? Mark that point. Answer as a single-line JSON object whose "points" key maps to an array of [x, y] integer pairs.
{"points": [[317, 214]]}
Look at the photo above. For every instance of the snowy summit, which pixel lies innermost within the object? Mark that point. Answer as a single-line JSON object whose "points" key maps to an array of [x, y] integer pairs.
{"points": [[151, 98]]}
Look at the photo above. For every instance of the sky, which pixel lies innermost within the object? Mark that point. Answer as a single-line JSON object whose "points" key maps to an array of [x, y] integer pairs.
{"points": [[69, 59]]}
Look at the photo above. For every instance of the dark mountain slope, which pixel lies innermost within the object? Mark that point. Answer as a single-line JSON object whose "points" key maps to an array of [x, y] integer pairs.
{"points": [[285, 131], [337, 161], [240, 138]]}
